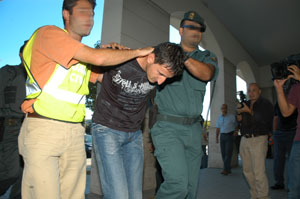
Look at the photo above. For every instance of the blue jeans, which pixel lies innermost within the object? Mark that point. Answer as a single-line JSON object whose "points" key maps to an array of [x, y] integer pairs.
{"points": [[294, 172], [120, 159], [226, 142], [283, 141]]}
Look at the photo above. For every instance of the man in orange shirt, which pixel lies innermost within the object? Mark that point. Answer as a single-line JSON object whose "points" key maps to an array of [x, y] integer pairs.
{"points": [[51, 138]]}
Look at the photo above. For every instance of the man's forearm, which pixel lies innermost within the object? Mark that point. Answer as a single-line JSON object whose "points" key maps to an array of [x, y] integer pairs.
{"points": [[239, 117], [285, 108], [200, 70], [108, 57]]}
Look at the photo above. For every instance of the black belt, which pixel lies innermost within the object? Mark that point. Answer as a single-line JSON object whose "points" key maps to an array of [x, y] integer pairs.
{"points": [[293, 129], [35, 115], [230, 133], [251, 135], [11, 121], [178, 120]]}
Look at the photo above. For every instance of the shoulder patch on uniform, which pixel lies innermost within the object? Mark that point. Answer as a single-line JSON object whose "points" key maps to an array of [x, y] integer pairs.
{"points": [[206, 53]]}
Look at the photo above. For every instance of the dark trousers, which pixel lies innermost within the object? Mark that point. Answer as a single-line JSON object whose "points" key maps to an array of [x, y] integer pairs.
{"points": [[158, 176], [204, 160], [226, 142], [283, 141], [10, 161], [237, 141]]}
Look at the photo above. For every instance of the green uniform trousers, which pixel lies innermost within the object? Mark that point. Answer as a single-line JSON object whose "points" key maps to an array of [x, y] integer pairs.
{"points": [[178, 151]]}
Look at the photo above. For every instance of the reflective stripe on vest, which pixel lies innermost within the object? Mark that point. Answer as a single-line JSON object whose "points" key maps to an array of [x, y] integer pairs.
{"points": [[32, 88], [63, 96]]}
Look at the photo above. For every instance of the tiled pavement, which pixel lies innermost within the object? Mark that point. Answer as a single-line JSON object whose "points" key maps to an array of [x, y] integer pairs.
{"points": [[213, 185]]}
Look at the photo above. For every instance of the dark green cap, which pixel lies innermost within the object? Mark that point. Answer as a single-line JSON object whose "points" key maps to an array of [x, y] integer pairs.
{"points": [[194, 16]]}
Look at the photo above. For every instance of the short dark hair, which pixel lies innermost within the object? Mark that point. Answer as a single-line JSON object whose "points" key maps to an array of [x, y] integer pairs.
{"points": [[182, 22], [69, 5], [22, 47], [170, 54]]}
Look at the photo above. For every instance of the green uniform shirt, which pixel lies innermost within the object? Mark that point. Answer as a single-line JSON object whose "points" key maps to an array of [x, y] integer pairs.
{"points": [[183, 96]]}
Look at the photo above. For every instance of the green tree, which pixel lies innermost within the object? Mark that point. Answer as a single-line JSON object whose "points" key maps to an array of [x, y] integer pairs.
{"points": [[91, 97], [207, 125]]}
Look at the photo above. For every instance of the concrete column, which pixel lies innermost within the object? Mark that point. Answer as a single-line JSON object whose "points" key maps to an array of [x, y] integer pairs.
{"points": [[136, 24], [267, 87], [225, 92], [112, 21]]}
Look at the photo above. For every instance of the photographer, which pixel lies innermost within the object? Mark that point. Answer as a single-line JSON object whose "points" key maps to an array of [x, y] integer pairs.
{"points": [[287, 107], [256, 123]]}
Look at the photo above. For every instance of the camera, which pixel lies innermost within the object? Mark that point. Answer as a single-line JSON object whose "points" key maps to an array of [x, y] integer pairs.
{"points": [[242, 98], [280, 69]]}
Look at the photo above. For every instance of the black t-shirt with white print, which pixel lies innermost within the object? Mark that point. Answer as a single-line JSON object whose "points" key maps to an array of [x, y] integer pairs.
{"points": [[122, 102]]}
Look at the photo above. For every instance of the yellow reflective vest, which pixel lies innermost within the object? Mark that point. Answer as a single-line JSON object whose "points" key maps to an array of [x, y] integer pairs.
{"points": [[63, 96]]}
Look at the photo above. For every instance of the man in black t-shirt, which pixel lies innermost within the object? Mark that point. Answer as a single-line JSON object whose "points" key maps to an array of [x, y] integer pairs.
{"points": [[255, 118], [119, 112]]}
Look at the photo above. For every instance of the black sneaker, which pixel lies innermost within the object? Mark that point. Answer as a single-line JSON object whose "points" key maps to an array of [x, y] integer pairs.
{"points": [[224, 172], [277, 186]]}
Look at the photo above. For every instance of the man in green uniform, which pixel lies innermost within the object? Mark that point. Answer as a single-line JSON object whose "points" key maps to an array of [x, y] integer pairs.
{"points": [[12, 94], [177, 133]]}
